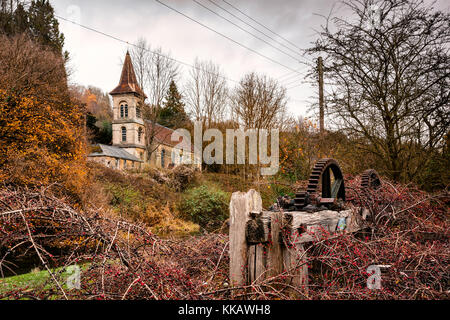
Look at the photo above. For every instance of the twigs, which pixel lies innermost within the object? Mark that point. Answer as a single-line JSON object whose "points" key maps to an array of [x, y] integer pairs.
{"points": [[123, 260]]}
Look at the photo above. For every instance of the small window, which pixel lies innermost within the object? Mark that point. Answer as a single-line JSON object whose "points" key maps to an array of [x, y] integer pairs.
{"points": [[124, 134], [139, 134], [124, 110], [138, 112], [163, 154]]}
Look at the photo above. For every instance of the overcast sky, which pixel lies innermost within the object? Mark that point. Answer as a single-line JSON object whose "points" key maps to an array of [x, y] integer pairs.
{"points": [[96, 59]]}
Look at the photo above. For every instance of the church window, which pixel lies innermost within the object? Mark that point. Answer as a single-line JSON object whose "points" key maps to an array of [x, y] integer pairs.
{"points": [[124, 110], [163, 153], [124, 134], [138, 112], [139, 134]]}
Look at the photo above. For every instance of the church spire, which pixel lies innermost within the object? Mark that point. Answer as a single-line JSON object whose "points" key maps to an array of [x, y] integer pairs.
{"points": [[128, 82]]}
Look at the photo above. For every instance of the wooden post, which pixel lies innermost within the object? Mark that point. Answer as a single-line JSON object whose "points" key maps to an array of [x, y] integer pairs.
{"points": [[241, 205], [321, 109], [275, 254], [264, 244]]}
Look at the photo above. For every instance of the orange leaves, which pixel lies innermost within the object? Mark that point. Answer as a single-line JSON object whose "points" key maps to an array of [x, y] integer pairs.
{"points": [[40, 143]]}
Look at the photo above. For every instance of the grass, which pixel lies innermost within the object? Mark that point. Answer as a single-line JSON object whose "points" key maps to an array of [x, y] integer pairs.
{"points": [[35, 279]]}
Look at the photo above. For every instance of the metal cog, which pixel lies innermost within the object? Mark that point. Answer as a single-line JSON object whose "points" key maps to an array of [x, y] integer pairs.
{"points": [[321, 170], [370, 180]]}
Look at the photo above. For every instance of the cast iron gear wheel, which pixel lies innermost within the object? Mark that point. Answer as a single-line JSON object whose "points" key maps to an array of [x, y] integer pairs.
{"points": [[321, 171], [370, 180]]}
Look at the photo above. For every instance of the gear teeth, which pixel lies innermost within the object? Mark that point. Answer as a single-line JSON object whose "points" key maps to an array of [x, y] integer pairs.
{"points": [[300, 199], [313, 182], [370, 180]]}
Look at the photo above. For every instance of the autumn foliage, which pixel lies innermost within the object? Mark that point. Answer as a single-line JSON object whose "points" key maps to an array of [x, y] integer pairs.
{"points": [[41, 130], [39, 145]]}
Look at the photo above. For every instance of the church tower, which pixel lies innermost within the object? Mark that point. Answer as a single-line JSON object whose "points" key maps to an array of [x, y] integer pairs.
{"points": [[128, 125]]}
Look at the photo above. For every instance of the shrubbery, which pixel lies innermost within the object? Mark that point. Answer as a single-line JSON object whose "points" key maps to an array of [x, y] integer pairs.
{"points": [[206, 206]]}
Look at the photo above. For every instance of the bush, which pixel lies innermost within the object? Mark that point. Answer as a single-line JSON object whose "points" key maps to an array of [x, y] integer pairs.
{"points": [[205, 206]]}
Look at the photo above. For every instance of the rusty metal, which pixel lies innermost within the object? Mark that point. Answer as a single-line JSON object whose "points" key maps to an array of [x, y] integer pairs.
{"points": [[286, 202], [325, 189], [330, 192], [370, 180]]}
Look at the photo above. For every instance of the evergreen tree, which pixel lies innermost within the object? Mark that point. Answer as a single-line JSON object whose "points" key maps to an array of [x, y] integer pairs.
{"points": [[20, 18], [39, 22], [172, 114], [44, 27]]}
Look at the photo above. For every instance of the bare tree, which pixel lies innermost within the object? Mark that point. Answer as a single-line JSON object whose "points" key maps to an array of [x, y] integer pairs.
{"points": [[206, 92], [141, 58], [258, 102], [390, 73], [27, 68]]}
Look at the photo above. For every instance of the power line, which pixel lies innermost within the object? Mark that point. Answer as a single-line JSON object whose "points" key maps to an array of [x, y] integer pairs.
{"points": [[284, 75], [226, 37], [293, 77], [154, 52], [289, 75], [248, 24], [238, 26], [292, 82], [262, 25], [293, 44], [298, 85], [146, 49]]}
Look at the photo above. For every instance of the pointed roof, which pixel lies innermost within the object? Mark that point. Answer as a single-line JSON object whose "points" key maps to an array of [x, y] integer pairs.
{"points": [[128, 82]]}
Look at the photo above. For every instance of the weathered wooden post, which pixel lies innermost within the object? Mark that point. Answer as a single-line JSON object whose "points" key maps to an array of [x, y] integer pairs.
{"points": [[265, 244], [241, 205]]}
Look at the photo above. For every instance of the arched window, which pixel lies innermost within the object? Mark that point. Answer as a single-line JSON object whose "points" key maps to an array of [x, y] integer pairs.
{"points": [[163, 154], [123, 110], [139, 134], [124, 134], [138, 112]]}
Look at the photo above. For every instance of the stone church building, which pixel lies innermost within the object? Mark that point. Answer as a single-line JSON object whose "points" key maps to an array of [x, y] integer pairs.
{"points": [[128, 149]]}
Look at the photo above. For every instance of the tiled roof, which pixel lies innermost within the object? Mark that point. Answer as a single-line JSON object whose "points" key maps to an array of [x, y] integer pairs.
{"points": [[128, 82], [114, 152], [163, 135]]}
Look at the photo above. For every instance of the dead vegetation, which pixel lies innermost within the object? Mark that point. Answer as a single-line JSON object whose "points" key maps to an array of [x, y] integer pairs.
{"points": [[125, 260]]}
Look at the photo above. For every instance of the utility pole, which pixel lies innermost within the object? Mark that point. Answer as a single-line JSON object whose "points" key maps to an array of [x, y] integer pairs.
{"points": [[321, 109]]}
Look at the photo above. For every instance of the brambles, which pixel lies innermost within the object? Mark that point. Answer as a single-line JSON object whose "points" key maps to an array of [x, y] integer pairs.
{"points": [[126, 260], [409, 232]]}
